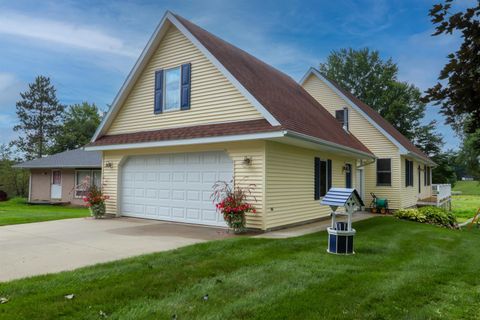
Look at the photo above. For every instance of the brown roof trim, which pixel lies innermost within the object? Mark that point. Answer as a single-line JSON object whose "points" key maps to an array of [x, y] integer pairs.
{"points": [[200, 131]]}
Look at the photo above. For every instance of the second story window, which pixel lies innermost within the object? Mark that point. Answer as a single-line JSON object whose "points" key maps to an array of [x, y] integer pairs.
{"points": [[172, 89], [342, 117]]}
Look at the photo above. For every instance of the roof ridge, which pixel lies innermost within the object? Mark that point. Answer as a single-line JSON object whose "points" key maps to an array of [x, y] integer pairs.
{"points": [[362, 105], [280, 94]]}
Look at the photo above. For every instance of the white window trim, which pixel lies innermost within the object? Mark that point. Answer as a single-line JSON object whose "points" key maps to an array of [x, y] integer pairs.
{"points": [[164, 97]]}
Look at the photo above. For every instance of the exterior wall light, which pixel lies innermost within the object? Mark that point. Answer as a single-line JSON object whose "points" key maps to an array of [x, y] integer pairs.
{"points": [[247, 161]]}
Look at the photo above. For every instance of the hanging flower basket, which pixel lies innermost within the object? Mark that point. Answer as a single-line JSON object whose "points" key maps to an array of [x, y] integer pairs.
{"points": [[232, 203]]}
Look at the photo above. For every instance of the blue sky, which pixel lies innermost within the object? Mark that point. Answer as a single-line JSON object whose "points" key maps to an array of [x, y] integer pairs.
{"points": [[88, 47]]}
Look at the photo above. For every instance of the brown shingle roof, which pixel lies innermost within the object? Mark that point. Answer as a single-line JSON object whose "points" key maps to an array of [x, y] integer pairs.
{"points": [[201, 131], [282, 96], [384, 124]]}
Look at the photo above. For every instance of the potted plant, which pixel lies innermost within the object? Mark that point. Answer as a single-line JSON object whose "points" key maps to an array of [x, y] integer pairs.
{"points": [[232, 203], [95, 201]]}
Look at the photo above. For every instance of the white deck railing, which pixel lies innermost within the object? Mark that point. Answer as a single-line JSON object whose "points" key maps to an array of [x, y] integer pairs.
{"points": [[442, 192]]}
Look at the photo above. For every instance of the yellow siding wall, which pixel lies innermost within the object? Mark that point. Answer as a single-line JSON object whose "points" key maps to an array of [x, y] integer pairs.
{"points": [[369, 136], [244, 175], [289, 182], [213, 97], [410, 195]]}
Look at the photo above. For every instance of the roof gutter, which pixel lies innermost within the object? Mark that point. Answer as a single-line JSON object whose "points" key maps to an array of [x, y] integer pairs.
{"points": [[414, 155], [329, 144], [182, 142]]}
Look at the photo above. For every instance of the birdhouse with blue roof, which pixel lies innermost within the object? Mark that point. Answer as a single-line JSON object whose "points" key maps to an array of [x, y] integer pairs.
{"points": [[340, 234]]}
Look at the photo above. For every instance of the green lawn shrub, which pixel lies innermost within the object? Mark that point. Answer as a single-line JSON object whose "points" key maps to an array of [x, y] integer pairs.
{"points": [[430, 215]]}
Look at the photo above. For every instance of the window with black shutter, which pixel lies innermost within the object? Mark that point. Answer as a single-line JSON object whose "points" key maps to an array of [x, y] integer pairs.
{"points": [[342, 117], [408, 173], [322, 177], [384, 172]]}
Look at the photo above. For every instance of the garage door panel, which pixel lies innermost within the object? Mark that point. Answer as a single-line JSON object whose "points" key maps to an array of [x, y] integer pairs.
{"points": [[178, 213], [174, 187]]}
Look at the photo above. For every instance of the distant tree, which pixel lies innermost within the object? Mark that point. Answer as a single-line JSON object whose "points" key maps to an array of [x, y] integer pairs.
{"points": [[459, 93], [79, 124], [445, 171], [470, 154], [39, 114], [375, 82], [12, 180]]}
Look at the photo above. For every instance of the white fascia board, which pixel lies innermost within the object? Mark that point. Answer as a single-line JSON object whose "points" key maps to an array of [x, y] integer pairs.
{"points": [[314, 71], [146, 54], [265, 113], [182, 142], [360, 154]]}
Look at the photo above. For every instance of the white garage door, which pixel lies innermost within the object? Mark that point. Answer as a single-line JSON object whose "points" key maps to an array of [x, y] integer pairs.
{"points": [[174, 187]]}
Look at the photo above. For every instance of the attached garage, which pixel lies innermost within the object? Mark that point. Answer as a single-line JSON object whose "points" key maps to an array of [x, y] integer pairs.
{"points": [[174, 187]]}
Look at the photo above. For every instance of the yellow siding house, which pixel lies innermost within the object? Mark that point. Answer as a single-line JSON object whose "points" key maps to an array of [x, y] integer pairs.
{"points": [[195, 110], [401, 172]]}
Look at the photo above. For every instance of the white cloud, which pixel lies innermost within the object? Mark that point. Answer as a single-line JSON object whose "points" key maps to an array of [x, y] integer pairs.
{"points": [[10, 86], [65, 33]]}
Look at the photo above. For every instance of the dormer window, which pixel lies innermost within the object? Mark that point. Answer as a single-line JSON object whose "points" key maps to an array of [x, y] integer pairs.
{"points": [[342, 117], [172, 89]]}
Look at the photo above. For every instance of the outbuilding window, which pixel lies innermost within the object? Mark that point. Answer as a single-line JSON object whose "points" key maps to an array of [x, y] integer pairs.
{"points": [[384, 172], [84, 178]]}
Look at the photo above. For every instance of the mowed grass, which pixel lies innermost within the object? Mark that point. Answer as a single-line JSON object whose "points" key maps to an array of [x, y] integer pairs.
{"points": [[16, 210], [402, 270], [465, 206], [468, 187]]}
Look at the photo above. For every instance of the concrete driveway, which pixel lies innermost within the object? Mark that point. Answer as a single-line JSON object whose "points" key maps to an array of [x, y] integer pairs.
{"points": [[48, 247]]}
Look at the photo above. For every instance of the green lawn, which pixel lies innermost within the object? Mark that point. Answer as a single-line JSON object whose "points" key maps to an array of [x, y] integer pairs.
{"points": [[402, 270], [465, 206], [468, 187], [17, 211]]}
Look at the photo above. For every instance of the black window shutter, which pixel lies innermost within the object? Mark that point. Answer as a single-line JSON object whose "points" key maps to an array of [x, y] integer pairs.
{"points": [[407, 175], [329, 175], [158, 98], [425, 175], [316, 179], [186, 86], [345, 118]]}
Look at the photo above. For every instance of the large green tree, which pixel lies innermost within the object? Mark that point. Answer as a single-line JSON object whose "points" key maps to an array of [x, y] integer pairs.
{"points": [[458, 90], [39, 114], [375, 81], [79, 124]]}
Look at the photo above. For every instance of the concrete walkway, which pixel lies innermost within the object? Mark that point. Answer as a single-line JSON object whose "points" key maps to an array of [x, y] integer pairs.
{"points": [[54, 246], [311, 227]]}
